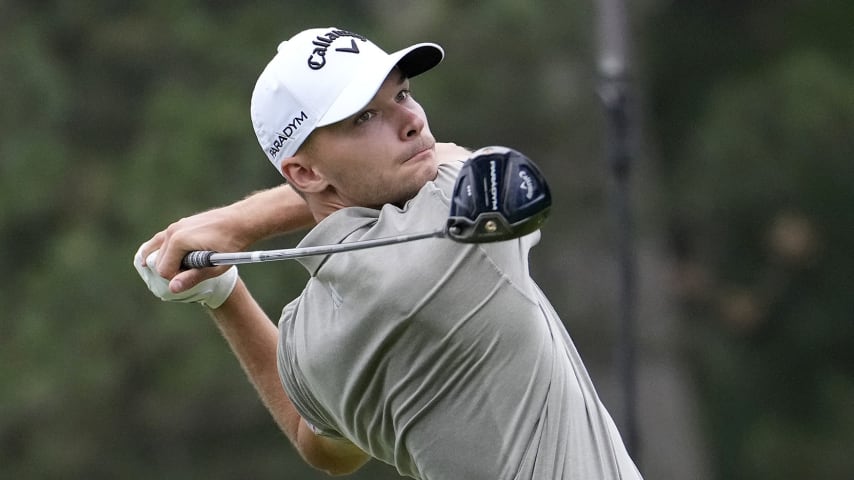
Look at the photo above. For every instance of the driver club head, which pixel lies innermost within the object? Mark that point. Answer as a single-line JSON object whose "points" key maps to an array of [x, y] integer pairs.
{"points": [[500, 194]]}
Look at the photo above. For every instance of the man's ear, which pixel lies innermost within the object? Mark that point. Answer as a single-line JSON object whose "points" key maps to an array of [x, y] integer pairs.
{"points": [[302, 175]]}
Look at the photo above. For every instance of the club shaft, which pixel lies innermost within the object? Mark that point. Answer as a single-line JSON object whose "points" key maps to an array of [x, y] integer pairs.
{"points": [[215, 259]]}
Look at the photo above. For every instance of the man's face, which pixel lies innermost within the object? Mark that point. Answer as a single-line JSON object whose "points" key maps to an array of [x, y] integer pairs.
{"points": [[383, 154]]}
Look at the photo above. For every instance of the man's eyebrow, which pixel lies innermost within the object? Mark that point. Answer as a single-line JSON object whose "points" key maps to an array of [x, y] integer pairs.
{"points": [[401, 77]]}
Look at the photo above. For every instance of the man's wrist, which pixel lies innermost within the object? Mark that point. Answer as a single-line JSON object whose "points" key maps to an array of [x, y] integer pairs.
{"points": [[221, 289]]}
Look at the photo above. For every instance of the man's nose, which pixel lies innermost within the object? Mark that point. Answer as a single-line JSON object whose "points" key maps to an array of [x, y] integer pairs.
{"points": [[411, 123]]}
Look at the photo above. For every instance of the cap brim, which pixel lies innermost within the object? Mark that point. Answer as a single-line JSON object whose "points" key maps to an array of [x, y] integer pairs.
{"points": [[412, 61], [419, 58]]}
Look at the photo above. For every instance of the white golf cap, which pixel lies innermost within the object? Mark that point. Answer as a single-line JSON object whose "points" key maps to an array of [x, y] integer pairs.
{"points": [[322, 76]]}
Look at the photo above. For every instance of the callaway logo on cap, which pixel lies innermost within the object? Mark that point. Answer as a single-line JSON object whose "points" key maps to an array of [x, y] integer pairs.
{"points": [[322, 76]]}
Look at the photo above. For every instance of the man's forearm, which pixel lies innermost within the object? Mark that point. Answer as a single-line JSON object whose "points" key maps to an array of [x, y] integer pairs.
{"points": [[254, 339], [275, 211]]}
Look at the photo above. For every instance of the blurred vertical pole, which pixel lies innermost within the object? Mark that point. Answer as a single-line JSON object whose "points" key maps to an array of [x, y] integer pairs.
{"points": [[613, 69]]}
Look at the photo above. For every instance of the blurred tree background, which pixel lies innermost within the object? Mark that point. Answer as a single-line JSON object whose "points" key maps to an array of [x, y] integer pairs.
{"points": [[119, 117]]}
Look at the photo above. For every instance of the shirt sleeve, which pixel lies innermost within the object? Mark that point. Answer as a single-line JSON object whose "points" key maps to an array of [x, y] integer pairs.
{"points": [[293, 381], [447, 177]]}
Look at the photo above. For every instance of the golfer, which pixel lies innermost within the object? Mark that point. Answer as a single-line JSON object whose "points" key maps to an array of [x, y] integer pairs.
{"points": [[442, 359]]}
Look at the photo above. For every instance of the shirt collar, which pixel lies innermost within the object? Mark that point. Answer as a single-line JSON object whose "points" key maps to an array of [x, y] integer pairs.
{"points": [[335, 229]]}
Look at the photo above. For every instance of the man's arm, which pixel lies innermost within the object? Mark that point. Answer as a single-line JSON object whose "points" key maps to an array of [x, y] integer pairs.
{"points": [[226, 229], [254, 339], [234, 227]]}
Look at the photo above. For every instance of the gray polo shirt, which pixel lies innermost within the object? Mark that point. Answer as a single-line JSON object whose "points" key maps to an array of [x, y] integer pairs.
{"points": [[442, 359]]}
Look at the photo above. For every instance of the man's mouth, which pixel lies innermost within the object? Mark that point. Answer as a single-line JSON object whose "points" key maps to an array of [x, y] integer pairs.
{"points": [[420, 153]]}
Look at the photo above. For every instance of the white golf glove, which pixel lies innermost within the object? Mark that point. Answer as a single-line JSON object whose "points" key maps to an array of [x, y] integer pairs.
{"points": [[211, 293]]}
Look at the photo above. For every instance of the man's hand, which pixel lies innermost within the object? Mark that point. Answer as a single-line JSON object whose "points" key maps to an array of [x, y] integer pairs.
{"points": [[219, 230], [227, 229], [211, 293]]}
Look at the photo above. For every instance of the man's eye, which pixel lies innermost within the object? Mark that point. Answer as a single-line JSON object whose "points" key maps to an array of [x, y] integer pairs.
{"points": [[403, 95], [365, 116]]}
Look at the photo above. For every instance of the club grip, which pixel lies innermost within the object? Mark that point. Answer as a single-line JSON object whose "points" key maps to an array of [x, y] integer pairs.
{"points": [[197, 259]]}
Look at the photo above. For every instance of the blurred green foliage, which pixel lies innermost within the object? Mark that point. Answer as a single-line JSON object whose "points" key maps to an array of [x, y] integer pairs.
{"points": [[753, 109], [118, 118]]}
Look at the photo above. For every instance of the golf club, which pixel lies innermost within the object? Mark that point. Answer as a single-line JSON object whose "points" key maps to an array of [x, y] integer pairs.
{"points": [[500, 194]]}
